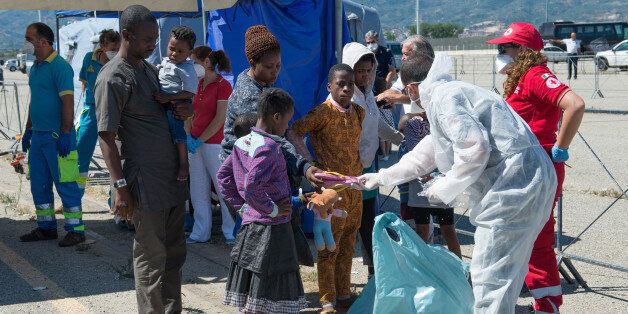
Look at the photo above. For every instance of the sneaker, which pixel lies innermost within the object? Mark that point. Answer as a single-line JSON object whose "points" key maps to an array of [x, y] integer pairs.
{"points": [[72, 239], [39, 235]]}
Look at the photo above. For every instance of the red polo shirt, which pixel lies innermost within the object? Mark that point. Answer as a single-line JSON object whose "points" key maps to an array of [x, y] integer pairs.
{"points": [[536, 99], [206, 104]]}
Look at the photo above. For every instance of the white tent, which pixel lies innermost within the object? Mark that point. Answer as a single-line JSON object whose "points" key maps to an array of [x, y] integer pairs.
{"points": [[75, 40]]}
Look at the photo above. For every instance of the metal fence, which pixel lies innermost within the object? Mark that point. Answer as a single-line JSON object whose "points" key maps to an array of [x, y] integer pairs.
{"points": [[600, 89], [14, 97]]}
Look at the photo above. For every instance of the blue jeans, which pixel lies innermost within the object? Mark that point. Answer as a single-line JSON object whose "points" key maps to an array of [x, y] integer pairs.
{"points": [[44, 172], [176, 128]]}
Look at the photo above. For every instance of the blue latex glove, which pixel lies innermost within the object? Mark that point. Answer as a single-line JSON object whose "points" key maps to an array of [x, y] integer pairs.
{"points": [[26, 140], [193, 144], [559, 154], [296, 202], [64, 144]]}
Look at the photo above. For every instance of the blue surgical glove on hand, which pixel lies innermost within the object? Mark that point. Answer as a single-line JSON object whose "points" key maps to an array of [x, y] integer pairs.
{"points": [[296, 202], [26, 140], [560, 154], [64, 144], [193, 144]]}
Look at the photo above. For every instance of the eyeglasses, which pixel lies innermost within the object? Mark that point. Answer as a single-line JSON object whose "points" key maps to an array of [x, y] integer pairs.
{"points": [[501, 48]]}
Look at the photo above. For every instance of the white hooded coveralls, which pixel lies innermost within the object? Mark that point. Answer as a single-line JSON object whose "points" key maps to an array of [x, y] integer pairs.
{"points": [[490, 155]]}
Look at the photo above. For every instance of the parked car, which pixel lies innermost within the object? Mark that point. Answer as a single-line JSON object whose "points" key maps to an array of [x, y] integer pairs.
{"points": [[617, 57], [554, 54], [11, 65]]}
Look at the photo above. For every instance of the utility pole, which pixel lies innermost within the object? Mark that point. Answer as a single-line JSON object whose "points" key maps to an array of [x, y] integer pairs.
{"points": [[546, 10], [418, 21], [39, 14]]}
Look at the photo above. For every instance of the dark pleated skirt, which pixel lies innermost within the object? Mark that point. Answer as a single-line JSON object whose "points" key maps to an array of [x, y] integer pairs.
{"points": [[264, 274]]}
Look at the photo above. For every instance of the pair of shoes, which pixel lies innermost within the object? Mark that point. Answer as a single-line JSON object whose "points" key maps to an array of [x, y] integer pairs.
{"points": [[230, 242], [72, 239], [39, 235]]}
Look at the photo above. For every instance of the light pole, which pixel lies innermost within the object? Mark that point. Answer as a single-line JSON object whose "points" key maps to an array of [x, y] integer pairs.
{"points": [[418, 22], [546, 10]]}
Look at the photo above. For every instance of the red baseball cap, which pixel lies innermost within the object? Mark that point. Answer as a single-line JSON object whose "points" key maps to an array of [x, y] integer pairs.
{"points": [[524, 34]]}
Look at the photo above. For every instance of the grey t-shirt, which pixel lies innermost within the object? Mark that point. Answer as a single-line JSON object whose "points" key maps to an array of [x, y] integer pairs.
{"points": [[125, 105], [175, 78]]}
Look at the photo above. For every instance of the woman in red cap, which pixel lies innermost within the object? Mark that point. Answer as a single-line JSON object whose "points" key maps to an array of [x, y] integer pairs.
{"points": [[535, 93]]}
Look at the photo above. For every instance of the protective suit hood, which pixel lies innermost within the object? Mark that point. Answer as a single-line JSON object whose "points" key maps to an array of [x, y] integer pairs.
{"points": [[438, 74]]}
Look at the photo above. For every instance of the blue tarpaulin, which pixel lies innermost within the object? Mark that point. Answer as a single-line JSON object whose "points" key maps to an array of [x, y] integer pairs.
{"points": [[305, 31], [304, 28]]}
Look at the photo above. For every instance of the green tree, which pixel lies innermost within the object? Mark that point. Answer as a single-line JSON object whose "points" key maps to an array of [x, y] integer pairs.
{"points": [[389, 36], [438, 30]]}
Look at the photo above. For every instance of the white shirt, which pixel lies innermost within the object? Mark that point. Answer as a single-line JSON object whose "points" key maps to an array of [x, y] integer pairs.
{"points": [[572, 45], [398, 85], [373, 127]]}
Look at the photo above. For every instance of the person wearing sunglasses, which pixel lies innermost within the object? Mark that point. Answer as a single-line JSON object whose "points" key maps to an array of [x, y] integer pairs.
{"points": [[535, 93]]}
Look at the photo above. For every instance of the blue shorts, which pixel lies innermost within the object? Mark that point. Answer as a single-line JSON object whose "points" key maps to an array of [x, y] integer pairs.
{"points": [[176, 128]]}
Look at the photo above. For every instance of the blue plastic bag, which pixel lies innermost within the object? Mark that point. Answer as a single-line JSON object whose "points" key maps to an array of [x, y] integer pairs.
{"points": [[411, 276]]}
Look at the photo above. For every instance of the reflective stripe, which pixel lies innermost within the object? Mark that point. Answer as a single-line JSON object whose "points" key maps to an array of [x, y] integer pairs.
{"points": [[553, 291], [79, 228], [46, 218], [44, 206], [70, 215], [74, 209], [73, 221], [45, 212]]}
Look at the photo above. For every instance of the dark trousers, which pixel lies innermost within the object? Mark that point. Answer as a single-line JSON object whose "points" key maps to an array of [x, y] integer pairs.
{"points": [[572, 62], [158, 257], [369, 208]]}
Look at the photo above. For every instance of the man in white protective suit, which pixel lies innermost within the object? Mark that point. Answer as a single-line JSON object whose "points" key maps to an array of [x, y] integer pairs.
{"points": [[492, 164]]}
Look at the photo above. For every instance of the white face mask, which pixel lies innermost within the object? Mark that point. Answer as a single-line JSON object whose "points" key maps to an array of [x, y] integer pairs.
{"points": [[200, 70], [415, 107], [372, 47], [502, 63], [28, 48], [111, 54]]}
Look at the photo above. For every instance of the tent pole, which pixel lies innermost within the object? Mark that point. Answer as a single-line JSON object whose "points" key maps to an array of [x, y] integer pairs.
{"points": [[338, 29], [204, 17], [58, 39]]}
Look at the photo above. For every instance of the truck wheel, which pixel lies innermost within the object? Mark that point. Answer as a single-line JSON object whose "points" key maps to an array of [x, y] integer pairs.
{"points": [[12, 68]]}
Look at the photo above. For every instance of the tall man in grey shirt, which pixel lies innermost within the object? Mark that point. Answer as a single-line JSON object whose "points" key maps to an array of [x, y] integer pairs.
{"points": [[146, 187]]}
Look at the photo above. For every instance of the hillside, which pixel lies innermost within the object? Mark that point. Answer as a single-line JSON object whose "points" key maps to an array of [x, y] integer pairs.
{"points": [[394, 13], [13, 25]]}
